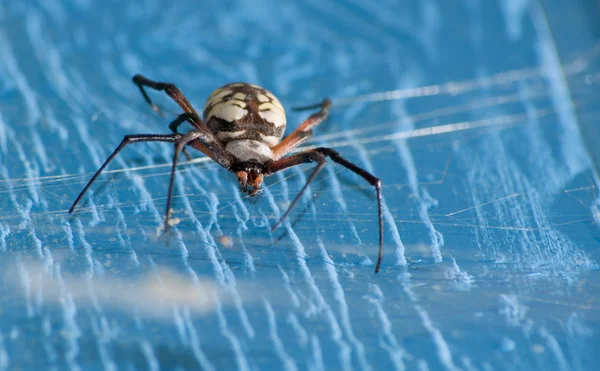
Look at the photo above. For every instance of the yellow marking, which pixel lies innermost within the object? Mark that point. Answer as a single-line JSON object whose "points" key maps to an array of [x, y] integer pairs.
{"points": [[271, 140], [274, 116], [262, 98], [222, 135], [216, 98], [269, 106], [239, 96], [238, 103], [246, 149], [275, 101], [227, 112], [235, 85]]}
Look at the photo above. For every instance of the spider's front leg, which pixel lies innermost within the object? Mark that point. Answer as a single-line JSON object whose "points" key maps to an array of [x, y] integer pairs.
{"points": [[201, 140], [196, 138], [318, 155], [173, 92], [128, 139]]}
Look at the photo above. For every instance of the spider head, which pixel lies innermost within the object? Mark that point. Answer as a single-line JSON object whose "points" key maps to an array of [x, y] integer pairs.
{"points": [[250, 174]]}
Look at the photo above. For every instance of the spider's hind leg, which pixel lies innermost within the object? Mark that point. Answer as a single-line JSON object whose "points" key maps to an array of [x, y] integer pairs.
{"points": [[304, 131]]}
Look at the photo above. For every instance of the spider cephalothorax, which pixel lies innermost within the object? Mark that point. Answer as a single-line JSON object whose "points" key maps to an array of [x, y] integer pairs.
{"points": [[242, 131], [249, 173]]}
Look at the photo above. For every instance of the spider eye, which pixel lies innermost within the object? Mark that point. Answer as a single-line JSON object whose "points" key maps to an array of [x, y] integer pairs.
{"points": [[254, 173]]}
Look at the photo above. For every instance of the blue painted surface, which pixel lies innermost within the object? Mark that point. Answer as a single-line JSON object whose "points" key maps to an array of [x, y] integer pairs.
{"points": [[479, 117]]}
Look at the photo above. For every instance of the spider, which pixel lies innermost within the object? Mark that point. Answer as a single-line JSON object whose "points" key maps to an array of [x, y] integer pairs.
{"points": [[242, 131]]}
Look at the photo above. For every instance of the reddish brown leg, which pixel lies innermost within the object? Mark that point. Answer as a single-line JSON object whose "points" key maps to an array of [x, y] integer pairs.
{"points": [[173, 92], [216, 152], [200, 138], [303, 132], [318, 155]]}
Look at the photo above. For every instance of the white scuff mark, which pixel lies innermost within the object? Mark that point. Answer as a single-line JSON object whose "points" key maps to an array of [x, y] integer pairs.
{"points": [[31, 169], [104, 334], [48, 343], [494, 172], [555, 348], [462, 280], [514, 17], [240, 356], [577, 335], [148, 351], [10, 61], [4, 359], [317, 354], [513, 310], [442, 348], [62, 296], [573, 150], [344, 310], [26, 284], [508, 344], [3, 138], [596, 211], [288, 362], [4, 233], [389, 342], [422, 197], [301, 334], [87, 248], [331, 319], [123, 236], [179, 322], [40, 151], [429, 27], [288, 287], [194, 342], [242, 218]]}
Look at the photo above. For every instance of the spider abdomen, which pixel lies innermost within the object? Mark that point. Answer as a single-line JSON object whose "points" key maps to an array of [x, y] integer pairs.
{"points": [[243, 111]]}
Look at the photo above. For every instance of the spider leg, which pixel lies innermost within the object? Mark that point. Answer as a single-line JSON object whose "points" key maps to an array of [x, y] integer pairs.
{"points": [[301, 158], [306, 108], [173, 92], [318, 155], [174, 125], [191, 137], [303, 132], [126, 140]]}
